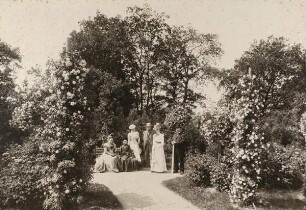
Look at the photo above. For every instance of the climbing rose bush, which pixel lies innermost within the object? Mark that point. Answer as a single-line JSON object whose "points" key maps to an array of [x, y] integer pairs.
{"points": [[63, 134], [303, 131], [24, 121], [303, 124], [67, 147], [248, 142]]}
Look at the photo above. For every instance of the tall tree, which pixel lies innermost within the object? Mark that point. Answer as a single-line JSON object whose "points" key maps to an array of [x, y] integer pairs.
{"points": [[187, 58], [102, 42], [146, 31], [9, 60], [279, 71]]}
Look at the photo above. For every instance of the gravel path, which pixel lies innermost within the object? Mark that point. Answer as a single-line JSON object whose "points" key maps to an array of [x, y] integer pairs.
{"points": [[143, 190]]}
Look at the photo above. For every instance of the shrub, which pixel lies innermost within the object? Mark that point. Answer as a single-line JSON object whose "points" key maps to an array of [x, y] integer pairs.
{"points": [[283, 167], [213, 149], [22, 168], [205, 170], [221, 175], [199, 169]]}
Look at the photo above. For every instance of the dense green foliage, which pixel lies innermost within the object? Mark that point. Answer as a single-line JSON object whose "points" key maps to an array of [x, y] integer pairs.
{"points": [[257, 125], [139, 69], [109, 75], [9, 62], [199, 169], [141, 65], [57, 155]]}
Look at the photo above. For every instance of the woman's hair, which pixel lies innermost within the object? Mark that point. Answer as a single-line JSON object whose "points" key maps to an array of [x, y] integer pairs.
{"points": [[109, 137], [157, 126]]}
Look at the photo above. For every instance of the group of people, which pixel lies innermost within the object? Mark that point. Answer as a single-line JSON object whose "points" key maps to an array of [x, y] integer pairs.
{"points": [[131, 153]]}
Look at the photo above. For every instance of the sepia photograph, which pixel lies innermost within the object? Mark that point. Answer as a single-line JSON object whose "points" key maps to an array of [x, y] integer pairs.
{"points": [[152, 104]]}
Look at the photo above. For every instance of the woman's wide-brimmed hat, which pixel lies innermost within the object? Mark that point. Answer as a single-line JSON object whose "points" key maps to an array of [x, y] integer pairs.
{"points": [[148, 124], [132, 126]]}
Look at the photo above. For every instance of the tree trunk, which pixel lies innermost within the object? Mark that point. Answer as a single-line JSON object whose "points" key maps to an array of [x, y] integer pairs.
{"points": [[174, 96], [141, 92], [185, 91], [148, 85]]}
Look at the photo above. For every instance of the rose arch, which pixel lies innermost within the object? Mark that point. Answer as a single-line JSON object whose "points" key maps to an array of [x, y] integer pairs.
{"points": [[62, 135]]}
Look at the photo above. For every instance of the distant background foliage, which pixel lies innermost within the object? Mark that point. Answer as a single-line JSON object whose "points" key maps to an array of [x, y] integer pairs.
{"points": [[138, 69]]}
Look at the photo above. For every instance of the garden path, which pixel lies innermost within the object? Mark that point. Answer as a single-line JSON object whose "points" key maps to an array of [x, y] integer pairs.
{"points": [[143, 190]]}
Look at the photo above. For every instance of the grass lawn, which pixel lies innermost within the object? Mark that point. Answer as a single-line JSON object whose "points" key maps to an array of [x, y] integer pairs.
{"points": [[211, 199], [98, 197]]}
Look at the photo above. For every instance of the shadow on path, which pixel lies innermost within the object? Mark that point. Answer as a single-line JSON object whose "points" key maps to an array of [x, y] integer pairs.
{"points": [[134, 200], [98, 197], [143, 190]]}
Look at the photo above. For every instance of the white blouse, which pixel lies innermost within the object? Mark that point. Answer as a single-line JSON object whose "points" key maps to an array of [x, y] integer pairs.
{"points": [[158, 140], [133, 136]]}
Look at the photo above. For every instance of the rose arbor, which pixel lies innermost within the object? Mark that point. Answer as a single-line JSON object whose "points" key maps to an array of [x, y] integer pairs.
{"points": [[303, 125], [68, 151], [303, 130], [62, 133], [248, 141], [66, 146]]}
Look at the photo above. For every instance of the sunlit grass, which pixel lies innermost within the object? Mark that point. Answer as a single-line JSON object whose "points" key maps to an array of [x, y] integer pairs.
{"points": [[209, 198]]}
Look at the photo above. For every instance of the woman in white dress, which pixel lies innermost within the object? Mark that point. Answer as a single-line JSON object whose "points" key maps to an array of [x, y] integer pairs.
{"points": [[158, 161], [133, 141], [108, 161]]}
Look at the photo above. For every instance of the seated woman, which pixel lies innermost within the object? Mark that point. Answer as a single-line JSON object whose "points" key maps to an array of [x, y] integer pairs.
{"points": [[126, 156], [108, 161]]}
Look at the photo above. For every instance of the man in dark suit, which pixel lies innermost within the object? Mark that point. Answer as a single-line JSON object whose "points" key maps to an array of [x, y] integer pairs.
{"points": [[179, 151], [147, 143]]}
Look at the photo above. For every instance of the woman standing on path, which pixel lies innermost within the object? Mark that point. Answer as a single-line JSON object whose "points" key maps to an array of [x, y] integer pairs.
{"points": [[158, 161], [133, 141]]}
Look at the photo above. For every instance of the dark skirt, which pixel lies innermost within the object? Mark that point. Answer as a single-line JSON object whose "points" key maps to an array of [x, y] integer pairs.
{"points": [[128, 164]]}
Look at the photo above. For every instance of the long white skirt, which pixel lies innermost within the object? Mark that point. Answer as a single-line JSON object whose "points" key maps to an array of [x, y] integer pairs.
{"points": [[158, 161], [106, 163], [136, 150]]}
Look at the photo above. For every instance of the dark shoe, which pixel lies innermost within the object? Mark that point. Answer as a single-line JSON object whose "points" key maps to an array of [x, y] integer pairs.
{"points": [[175, 171]]}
